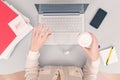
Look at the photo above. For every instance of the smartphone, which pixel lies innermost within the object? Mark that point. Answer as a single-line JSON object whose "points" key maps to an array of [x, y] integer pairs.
{"points": [[98, 18]]}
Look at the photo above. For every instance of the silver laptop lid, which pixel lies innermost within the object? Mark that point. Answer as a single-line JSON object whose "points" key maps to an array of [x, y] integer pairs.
{"points": [[62, 1], [61, 8]]}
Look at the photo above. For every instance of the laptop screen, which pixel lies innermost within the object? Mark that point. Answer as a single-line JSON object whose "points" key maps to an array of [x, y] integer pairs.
{"points": [[61, 8]]}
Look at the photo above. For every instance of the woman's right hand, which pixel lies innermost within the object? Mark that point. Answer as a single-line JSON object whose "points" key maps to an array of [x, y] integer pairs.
{"points": [[93, 51]]}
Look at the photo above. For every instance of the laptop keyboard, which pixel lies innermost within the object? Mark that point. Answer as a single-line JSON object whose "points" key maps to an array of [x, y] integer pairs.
{"points": [[63, 23], [63, 39]]}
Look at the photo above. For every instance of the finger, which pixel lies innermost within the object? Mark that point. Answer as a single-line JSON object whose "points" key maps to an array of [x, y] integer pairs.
{"points": [[94, 41], [86, 49], [39, 28], [34, 31], [37, 31], [42, 29], [45, 37], [47, 34], [93, 37]]}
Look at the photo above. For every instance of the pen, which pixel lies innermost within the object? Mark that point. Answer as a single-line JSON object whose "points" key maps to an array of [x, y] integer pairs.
{"points": [[108, 59]]}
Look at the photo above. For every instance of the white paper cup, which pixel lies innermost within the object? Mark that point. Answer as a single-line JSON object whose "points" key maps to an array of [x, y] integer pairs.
{"points": [[85, 39]]}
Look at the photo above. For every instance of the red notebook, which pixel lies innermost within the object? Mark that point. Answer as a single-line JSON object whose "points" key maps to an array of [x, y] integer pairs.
{"points": [[6, 33]]}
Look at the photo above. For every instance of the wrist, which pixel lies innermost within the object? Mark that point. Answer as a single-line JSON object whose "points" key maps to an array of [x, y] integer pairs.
{"points": [[94, 58], [34, 50]]}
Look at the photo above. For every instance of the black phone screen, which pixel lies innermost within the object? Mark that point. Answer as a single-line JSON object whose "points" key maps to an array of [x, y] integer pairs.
{"points": [[98, 18]]}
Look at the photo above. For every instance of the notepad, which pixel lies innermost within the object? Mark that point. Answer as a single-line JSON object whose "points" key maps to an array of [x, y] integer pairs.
{"points": [[14, 27], [6, 33], [105, 53]]}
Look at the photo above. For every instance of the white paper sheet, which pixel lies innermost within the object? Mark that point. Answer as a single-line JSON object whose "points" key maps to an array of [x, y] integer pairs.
{"points": [[105, 53]]}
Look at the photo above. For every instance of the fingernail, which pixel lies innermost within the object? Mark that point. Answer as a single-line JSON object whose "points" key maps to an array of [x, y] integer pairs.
{"points": [[98, 46], [43, 24], [49, 34], [38, 23]]}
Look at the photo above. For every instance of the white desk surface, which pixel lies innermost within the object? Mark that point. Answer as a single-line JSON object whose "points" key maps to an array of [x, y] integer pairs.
{"points": [[107, 34]]}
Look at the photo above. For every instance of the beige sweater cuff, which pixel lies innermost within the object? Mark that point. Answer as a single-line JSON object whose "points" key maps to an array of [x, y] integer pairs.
{"points": [[95, 63], [33, 55]]}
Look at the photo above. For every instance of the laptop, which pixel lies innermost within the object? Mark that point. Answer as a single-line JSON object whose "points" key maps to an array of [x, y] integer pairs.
{"points": [[65, 20]]}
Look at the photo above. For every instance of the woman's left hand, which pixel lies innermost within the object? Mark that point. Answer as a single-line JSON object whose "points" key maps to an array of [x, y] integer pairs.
{"points": [[39, 37]]}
